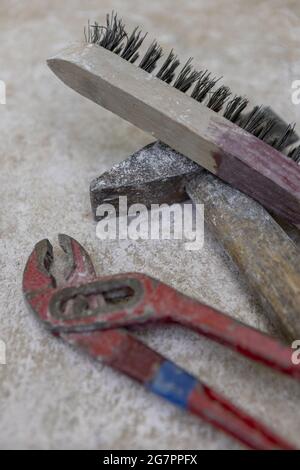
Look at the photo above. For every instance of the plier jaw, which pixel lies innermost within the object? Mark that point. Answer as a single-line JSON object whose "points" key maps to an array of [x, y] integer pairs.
{"points": [[40, 286], [38, 282], [84, 302]]}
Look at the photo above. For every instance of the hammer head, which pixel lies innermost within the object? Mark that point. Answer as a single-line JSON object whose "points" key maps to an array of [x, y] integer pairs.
{"points": [[155, 174]]}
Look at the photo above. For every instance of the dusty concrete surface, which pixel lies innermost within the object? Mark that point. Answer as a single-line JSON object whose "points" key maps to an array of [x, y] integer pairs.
{"points": [[53, 143]]}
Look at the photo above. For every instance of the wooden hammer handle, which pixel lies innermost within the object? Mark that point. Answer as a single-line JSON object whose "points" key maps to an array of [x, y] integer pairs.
{"points": [[257, 245]]}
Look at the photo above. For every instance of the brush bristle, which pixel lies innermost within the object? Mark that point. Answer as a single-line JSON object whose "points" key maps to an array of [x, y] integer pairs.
{"points": [[234, 108], [295, 154], [114, 37], [167, 71], [153, 54]]}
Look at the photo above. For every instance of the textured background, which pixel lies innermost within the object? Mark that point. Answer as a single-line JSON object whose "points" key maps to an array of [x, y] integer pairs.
{"points": [[53, 143]]}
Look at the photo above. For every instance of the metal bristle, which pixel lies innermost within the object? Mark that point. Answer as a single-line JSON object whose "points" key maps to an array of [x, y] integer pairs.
{"points": [[295, 154], [218, 98], [113, 36], [254, 121], [187, 76], [94, 33], [153, 54], [167, 71], [235, 107], [133, 43], [266, 129], [114, 33], [203, 86], [280, 142], [87, 33], [110, 36]]}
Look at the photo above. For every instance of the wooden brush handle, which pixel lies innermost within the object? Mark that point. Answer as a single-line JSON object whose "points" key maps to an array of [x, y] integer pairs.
{"points": [[189, 127], [258, 246]]}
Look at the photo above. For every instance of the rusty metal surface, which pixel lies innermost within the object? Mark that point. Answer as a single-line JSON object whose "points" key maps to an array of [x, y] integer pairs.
{"points": [[152, 175], [90, 312]]}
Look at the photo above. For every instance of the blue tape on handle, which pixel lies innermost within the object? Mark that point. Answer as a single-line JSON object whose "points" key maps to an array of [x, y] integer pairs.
{"points": [[173, 384]]}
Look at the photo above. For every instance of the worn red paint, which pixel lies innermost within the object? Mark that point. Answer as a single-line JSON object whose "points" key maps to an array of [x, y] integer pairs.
{"points": [[257, 169], [97, 332], [215, 409]]}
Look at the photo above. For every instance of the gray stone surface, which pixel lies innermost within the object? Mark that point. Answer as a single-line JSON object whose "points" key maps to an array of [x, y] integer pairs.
{"points": [[53, 143]]}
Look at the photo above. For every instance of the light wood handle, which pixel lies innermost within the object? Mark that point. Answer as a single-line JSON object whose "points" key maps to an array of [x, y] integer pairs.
{"points": [[258, 246]]}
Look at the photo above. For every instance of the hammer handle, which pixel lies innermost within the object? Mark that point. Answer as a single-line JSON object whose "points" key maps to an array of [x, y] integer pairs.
{"points": [[258, 246]]}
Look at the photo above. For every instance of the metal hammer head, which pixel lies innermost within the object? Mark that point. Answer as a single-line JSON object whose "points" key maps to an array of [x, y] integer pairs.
{"points": [[155, 174]]}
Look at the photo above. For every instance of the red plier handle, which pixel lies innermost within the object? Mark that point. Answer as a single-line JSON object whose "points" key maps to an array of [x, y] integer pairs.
{"points": [[124, 352], [90, 312], [133, 299]]}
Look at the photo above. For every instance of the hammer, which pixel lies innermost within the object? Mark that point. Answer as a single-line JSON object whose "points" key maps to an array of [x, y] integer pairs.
{"points": [[255, 242]]}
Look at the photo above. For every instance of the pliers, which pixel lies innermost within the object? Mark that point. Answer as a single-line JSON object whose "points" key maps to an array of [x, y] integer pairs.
{"points": [[93, 313]]}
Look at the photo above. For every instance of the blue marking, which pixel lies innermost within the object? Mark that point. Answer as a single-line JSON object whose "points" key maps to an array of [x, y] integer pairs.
{"points": [[173, 384]]}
